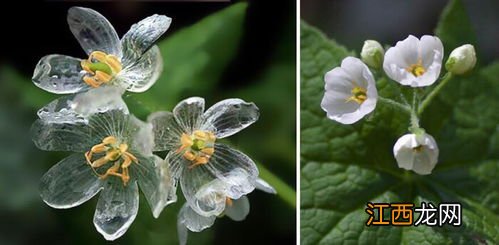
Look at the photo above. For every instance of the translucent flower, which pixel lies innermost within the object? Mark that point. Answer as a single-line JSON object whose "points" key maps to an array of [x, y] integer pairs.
{"points": [[350, 92], [132, 63], [462, 59], [416, 152], [112, 153], [414, 62], [236, 210], [196, 159]]}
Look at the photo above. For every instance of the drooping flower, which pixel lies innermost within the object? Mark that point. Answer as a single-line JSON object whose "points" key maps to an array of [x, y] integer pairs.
{"points": [[112, 152], [132, 63], [196, 159], [415, 62], [350, 92], [372, 53], [416, 152], [236, 210], [461, 60]]}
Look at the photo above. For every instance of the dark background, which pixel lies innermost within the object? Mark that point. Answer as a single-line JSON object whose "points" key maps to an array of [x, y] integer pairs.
{"points": [[32, 29]]}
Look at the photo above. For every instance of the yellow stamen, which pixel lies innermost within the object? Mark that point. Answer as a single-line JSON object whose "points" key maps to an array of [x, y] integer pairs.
{"points": [[359, 95], [198, 147], [113, 152], [101, 68], [417, 149], [416, 69], [229, 201]]}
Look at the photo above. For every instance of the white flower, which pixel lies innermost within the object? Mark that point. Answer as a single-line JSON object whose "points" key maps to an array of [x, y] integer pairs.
{"points": [[235, 209], [350, 92], [190, 135], [372, 53], [418, 153], [112, 153], [461, 59], [415, 62], [132, 63]]}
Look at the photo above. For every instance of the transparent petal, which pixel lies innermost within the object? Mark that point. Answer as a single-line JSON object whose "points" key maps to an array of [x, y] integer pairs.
{"points": [[62, 136], [78, 108], [142, 36], [69, 183], [239, 209], [139, 135], [193, 221], [166, 131], [155, 182], [93, 31], [141, 75], [182, 232], [264, 186], [189, 113], [116, 208], [59, 74], [230, 116]]}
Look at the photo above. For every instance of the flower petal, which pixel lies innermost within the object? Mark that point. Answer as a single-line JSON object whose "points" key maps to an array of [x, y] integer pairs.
{"points": [[166, 131], [182, 232], [116, 208], [155, 182], [59, 74], [230, 116], [189, 114], [140, 76], [142, 36], [78, 108], [62, 136], [139, 135], [69, 183], [264, 186], [93, 31], [193, 221], [239, 209]]}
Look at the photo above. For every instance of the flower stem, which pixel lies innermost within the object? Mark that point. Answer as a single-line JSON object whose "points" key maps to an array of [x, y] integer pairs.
{"points": [[395, 104], [284, 191], [426, 102]]}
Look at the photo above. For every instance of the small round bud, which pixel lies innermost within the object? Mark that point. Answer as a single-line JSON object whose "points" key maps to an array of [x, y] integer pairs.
{"points": [[461, 59], [372, 54]]}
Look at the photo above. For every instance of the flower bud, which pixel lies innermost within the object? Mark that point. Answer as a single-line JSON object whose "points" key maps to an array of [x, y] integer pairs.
{"points": [[372, 54], [416, 152], [461, 59]]}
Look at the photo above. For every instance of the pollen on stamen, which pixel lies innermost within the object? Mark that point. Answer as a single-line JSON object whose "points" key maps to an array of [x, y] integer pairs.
{"points": [[101, 68], [198, 147]]}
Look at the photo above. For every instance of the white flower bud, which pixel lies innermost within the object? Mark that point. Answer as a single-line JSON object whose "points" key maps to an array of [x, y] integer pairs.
{"points": [[461, 59], [416, 152], [372, 53]]}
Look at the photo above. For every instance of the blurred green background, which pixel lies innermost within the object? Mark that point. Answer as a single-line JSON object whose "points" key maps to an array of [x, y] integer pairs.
{"points": [[212, 50]]}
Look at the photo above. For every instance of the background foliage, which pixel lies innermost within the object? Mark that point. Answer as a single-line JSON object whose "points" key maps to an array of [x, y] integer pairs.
{"points": [[343, 167], [198, 59]]}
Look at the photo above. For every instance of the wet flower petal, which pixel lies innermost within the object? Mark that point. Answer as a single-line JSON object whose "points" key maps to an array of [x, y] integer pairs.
{"points": [[193, 221], [78, 108], [166, 131], [69, 183], [141, 37], [59, 74], [116, 208], [229, 116], [264, 186], [61, 136], [93, 31], [188, 113], [418, 153], [239, 209], [140, 135], [228, 160], [141, 75]]}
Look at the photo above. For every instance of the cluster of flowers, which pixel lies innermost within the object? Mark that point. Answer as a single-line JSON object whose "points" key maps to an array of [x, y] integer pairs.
{"points": [[113, 150], [351, 94]]}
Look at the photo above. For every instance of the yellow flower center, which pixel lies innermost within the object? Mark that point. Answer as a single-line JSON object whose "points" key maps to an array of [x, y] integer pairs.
{"points": [[359, 95], [113, 152], [418, 148], [416, 69], [101, 68], [198, 147]]}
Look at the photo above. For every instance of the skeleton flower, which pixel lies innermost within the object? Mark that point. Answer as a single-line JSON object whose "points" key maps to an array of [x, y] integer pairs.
{"points": [[350, 92], [112, 153], [196, 159], [236, 209], [416, 152], [132, 63], [415, 62]]}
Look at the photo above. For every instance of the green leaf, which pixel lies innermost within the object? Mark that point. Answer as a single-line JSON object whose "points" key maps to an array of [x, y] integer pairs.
{"points": [[195, 58], [345, 166], [454, 27]]}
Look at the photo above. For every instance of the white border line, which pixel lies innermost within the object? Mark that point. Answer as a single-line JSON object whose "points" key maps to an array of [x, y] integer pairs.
{"points": [[298, 122]]}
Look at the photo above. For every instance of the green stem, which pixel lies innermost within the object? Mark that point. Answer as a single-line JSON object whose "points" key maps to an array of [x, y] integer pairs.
{"points": [[284, 191], [426, 102], [395, 104]]}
